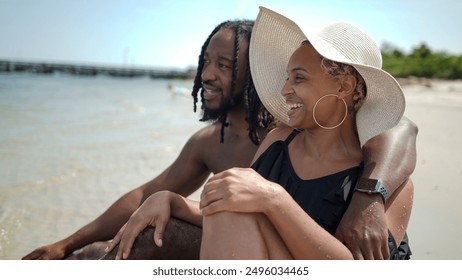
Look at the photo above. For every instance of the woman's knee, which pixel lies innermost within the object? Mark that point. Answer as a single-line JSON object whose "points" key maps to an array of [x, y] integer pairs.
{"points": [[230, 220]]}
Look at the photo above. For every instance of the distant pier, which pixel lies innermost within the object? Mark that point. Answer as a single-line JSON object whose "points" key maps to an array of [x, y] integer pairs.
{"points": [[89, 70]]}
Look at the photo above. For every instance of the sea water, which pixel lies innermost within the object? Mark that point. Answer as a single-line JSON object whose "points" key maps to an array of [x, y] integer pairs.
{"points": [[71, 145]]}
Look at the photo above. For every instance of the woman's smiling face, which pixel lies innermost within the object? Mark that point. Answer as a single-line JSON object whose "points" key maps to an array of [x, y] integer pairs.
{"points": [[307, 82]]}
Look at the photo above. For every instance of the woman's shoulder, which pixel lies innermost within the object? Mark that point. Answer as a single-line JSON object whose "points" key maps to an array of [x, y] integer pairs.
{"points": [[279, 133]]}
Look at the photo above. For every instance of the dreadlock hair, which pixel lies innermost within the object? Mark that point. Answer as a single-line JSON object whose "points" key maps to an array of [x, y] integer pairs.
{"points": [[257, 115]]}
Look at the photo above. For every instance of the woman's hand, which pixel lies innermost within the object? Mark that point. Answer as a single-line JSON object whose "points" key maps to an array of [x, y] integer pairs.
{"points": [[155, 211], [237, 190]]}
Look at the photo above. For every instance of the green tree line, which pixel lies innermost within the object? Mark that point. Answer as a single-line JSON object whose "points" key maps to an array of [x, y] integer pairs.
{"points": [[421, 62]]}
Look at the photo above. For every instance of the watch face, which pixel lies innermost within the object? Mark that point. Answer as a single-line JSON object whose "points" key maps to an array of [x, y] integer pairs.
{"points": [[371, 185]]}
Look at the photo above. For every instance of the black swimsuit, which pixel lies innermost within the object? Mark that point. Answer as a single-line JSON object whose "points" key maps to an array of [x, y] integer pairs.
{"points": [[325, 199]]}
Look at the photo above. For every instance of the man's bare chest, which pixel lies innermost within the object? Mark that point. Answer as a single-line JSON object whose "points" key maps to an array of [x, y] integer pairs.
{"points": [[225, 156]]}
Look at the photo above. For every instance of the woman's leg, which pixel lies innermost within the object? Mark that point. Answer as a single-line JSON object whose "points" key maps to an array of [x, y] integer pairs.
{"points": [[233, 235]]}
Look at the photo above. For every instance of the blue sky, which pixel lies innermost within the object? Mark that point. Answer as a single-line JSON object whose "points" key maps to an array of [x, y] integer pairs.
{"points": [[170, 33]]}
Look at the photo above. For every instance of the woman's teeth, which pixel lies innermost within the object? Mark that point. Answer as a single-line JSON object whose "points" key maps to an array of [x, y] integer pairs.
{"points": [[295, 106]]}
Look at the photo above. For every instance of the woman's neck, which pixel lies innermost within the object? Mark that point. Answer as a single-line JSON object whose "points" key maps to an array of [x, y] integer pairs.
{"points": [[341, 142]]}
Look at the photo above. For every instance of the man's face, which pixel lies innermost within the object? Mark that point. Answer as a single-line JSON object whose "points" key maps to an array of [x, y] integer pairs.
{"points": [[217, 72]]}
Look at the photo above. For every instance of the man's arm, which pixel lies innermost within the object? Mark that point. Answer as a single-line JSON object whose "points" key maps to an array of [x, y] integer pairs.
{"points": [[193, 174], [390, 157]]}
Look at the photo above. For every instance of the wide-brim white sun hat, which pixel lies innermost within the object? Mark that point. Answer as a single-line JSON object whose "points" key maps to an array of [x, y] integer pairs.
{"points": [[275, 38]]}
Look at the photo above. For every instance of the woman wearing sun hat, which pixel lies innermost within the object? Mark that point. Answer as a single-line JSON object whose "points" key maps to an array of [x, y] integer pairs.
{"points": [[330, 87]]}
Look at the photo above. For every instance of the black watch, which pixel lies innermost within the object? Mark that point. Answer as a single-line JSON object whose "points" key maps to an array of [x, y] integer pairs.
{"points": [[372, 186]]}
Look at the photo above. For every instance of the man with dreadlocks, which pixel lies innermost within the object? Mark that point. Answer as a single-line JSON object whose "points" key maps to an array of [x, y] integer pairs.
{"points": [[238, 123]]}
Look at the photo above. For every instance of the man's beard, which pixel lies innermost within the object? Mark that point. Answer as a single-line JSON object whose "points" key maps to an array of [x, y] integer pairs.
{"points": [[222, 111]]}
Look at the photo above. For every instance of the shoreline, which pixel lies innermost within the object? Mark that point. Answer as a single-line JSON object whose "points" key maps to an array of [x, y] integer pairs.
{"points": [[47, 68]]}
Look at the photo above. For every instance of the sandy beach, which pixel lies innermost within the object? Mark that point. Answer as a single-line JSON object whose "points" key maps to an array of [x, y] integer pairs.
{"points": [[434, 229]]}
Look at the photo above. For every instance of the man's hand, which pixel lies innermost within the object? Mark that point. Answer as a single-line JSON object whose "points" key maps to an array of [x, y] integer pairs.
{"points": [[155, 211], [49, 252], [363, 228]]}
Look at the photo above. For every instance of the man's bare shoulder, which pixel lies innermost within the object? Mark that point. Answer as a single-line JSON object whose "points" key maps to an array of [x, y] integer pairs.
{"points": [[198, 148], [206, 133], [204, 137]]}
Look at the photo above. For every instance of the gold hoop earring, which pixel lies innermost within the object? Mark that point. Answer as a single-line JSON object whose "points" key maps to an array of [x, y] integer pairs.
{"points": [[331, 127]]}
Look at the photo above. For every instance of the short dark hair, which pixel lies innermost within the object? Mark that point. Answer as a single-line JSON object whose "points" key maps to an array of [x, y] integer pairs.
{"points": [[257, 115]]}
